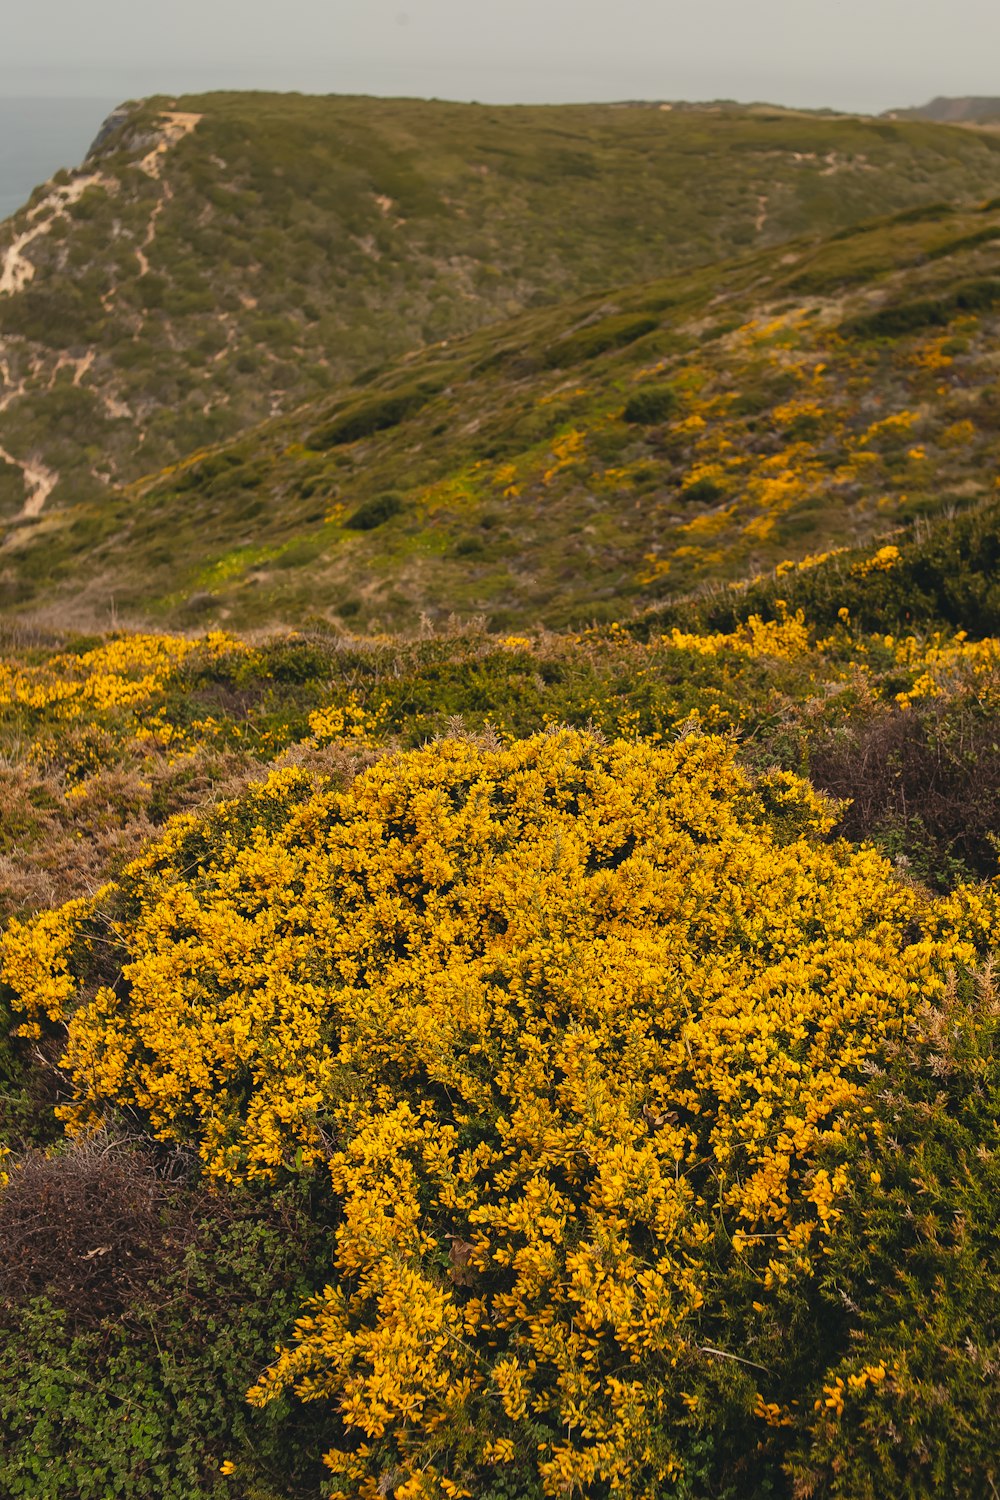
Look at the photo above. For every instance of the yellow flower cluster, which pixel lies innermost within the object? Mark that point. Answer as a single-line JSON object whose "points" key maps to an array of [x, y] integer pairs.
{"points": [[348, 721], [897, 423], [127, 671], [36, 962], [785, 639], [834, 1395], [943, 662], [123, 680], [559, 1018], [566, 449], [882, 561], [814, 560]]}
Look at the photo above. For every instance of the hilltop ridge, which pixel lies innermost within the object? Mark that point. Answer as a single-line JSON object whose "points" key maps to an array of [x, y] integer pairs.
{"points": [[945, 110]]}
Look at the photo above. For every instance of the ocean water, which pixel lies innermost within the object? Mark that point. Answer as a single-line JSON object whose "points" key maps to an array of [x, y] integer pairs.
{"points": [[38, 136]]}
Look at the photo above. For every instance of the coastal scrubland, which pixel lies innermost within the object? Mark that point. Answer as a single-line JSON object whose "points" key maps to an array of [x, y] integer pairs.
{"points": [[580, 462], [499, 859], [575, 1051], [222, 257]]}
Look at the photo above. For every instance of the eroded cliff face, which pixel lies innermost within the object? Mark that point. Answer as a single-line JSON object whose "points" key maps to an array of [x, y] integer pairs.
{"points": [[61, 383]]}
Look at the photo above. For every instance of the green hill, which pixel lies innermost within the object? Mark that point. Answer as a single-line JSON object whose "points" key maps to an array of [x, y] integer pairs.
{"points": [[967, 110], [225, 257], [581, 462]]}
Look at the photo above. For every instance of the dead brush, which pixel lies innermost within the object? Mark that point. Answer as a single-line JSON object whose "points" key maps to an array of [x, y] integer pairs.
{"points": [[925, 780], [84, 1226]]}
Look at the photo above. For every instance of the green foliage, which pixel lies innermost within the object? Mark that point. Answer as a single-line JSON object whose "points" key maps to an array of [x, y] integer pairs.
{"points": [[947, 576], [597, 338], [912, 1282], [927, 312], [374, 416], [374, 513], [149, 1405], [652, 404], [702, 491]]}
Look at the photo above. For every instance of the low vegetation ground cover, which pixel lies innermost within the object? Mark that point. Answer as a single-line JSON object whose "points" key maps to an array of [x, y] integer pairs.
{"points": [[223, 256], [581, 463], [564, 1034], [530, 1029]]}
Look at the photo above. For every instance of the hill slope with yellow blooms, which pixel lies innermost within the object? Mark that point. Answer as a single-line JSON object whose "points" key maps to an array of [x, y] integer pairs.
{"points": [[222, 257], [579, 463], [531, 1030]]}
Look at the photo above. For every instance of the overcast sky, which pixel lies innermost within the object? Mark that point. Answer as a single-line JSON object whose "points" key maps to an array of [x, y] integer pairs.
{"points": [[849, 54]]}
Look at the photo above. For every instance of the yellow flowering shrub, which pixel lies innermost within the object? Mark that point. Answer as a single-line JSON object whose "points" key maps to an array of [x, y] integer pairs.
{"points": [[880, 562], [78, 707], [941, 663], [36, 963], [124, 672], [804, 564], [785, 639], [347, 721], [564, 1021]]}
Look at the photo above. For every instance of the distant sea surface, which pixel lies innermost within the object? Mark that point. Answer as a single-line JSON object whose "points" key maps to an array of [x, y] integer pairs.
{"points": [[38, 136]]}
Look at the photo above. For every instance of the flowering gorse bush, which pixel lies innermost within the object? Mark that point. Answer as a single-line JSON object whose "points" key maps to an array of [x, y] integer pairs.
{"points": [[82, 709], [126, 672], [569, 1025], [786, 639]]}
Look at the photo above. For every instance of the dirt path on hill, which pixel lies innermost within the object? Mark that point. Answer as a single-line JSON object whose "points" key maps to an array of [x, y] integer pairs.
{"points": [[39, 483], [176, 125], [16, 270]]}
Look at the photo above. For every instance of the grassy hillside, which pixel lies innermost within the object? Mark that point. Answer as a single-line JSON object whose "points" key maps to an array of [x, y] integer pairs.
{"points": [[220, 258], [967, 110], [581, 462]]}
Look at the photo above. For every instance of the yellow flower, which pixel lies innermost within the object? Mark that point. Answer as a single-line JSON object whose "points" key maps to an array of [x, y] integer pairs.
{"points": [[546, 1011]]}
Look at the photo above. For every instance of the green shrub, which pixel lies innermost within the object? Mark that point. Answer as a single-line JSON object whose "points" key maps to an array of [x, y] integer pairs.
{"points": [[148, 1404], [654, 404], [369, 418], [299, 553], [597, 338], [216, 466], [966, 242], [948, 575], [702, 491], [911, 1283], [374, 513], [923, 213], [901, 318]]}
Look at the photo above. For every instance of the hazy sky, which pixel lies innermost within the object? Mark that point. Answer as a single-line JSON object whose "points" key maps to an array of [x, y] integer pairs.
{"points": [[852, 54]]}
